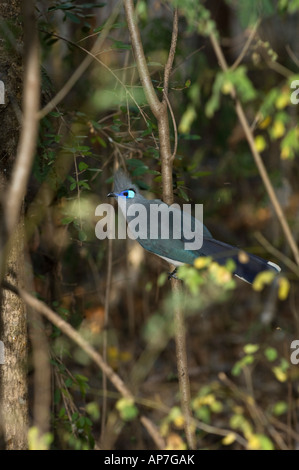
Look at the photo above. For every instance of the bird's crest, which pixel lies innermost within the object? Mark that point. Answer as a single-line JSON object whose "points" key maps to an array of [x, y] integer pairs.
{"points": [[122, 182]]}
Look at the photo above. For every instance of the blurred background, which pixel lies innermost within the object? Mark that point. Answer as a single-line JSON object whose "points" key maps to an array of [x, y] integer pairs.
{"points": [[116, 294]]}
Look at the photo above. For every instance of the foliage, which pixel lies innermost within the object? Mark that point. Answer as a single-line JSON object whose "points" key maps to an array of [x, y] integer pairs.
{"points": [[242, 369]]}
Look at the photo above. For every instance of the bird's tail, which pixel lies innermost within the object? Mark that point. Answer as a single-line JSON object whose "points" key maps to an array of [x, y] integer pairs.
{"points": [[247, 265]]}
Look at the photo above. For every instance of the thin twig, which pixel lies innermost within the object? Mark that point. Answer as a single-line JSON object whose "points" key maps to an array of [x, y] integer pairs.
{"points": [[246, 46], [69, 331], [292, 55], [82, 67], [174, 127], [256, 155], [254, 410], [94, 56], [153, 432], [171, 54], [278, 254]]}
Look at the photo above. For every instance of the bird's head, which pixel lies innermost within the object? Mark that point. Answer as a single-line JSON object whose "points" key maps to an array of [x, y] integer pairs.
{"points": [[123, 186]]}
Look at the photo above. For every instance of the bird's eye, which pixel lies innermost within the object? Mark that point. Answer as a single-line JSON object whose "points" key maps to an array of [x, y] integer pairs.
{"points": [[129, 193]]}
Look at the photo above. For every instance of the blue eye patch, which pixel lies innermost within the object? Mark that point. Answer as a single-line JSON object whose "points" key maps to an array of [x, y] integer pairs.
{"points": [[128, 193]]}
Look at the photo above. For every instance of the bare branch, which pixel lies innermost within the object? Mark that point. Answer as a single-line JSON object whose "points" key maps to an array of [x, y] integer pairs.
{"points": [[27, 142], [174, 128], [68, 330], [160, 112], [82, 67], [106, 317], [153, 432], [257, 157], [171, 54], [246, 46], [140, 59]]}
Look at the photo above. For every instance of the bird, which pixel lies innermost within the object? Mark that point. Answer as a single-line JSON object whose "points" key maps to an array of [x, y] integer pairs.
{"points": [[173, 249]]}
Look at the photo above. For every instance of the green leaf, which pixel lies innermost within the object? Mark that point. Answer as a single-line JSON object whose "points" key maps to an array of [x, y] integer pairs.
{"points": [[121, 45], [82, 236], [101, 141], [187, 119], [93, 410], [162, 279], [249, 12], [190, 137], [280, 408], [62, 6], [127, 409], [67, 220], [84, 184], [72, 17], [184, 195], [251, 348], [265, 442], [82, 166], [271, 354]]}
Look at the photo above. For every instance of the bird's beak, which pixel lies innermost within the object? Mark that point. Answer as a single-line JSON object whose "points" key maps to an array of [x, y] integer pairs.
{"points": [[111, 195]]}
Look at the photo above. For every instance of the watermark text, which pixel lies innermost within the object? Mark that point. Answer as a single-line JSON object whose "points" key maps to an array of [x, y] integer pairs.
{"points": [[151, 222]]}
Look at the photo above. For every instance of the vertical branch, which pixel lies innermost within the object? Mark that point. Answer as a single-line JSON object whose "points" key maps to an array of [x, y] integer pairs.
{"points": [[27, 143], [169, 63], [141, 63], [107, 301], [13, 393], [159, 109], [257, 157], [42, 373], [41, 409]]}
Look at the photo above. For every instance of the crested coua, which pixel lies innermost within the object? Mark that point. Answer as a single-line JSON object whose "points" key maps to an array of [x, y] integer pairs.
{"points": [[176, 249]]}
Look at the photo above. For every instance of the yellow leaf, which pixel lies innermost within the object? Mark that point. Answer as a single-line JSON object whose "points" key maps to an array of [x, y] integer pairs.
{"points": [[179, 422], [265, 122], [284, 288], [175, 442], [202, 262], [227, 87], [36, 441], [263, 278], [253, 442], [260, 143], [208, 399], [278, 129], [187, 120], [229, 439], [164, 428], [220, 273], [282, 101], [285, 153], [243, 257], [279, 374]]}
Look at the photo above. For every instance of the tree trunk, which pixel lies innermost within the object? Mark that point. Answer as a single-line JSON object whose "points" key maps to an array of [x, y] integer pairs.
{"points": [[13, 328]]}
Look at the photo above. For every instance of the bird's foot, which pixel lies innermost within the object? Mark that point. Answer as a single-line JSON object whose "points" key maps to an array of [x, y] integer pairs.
{"points": [[172, 275]]}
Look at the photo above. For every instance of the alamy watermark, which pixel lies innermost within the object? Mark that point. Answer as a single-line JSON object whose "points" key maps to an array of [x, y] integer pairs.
{"points": [[152, 221], [294, 357], [2, 92], [295, 95]]}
